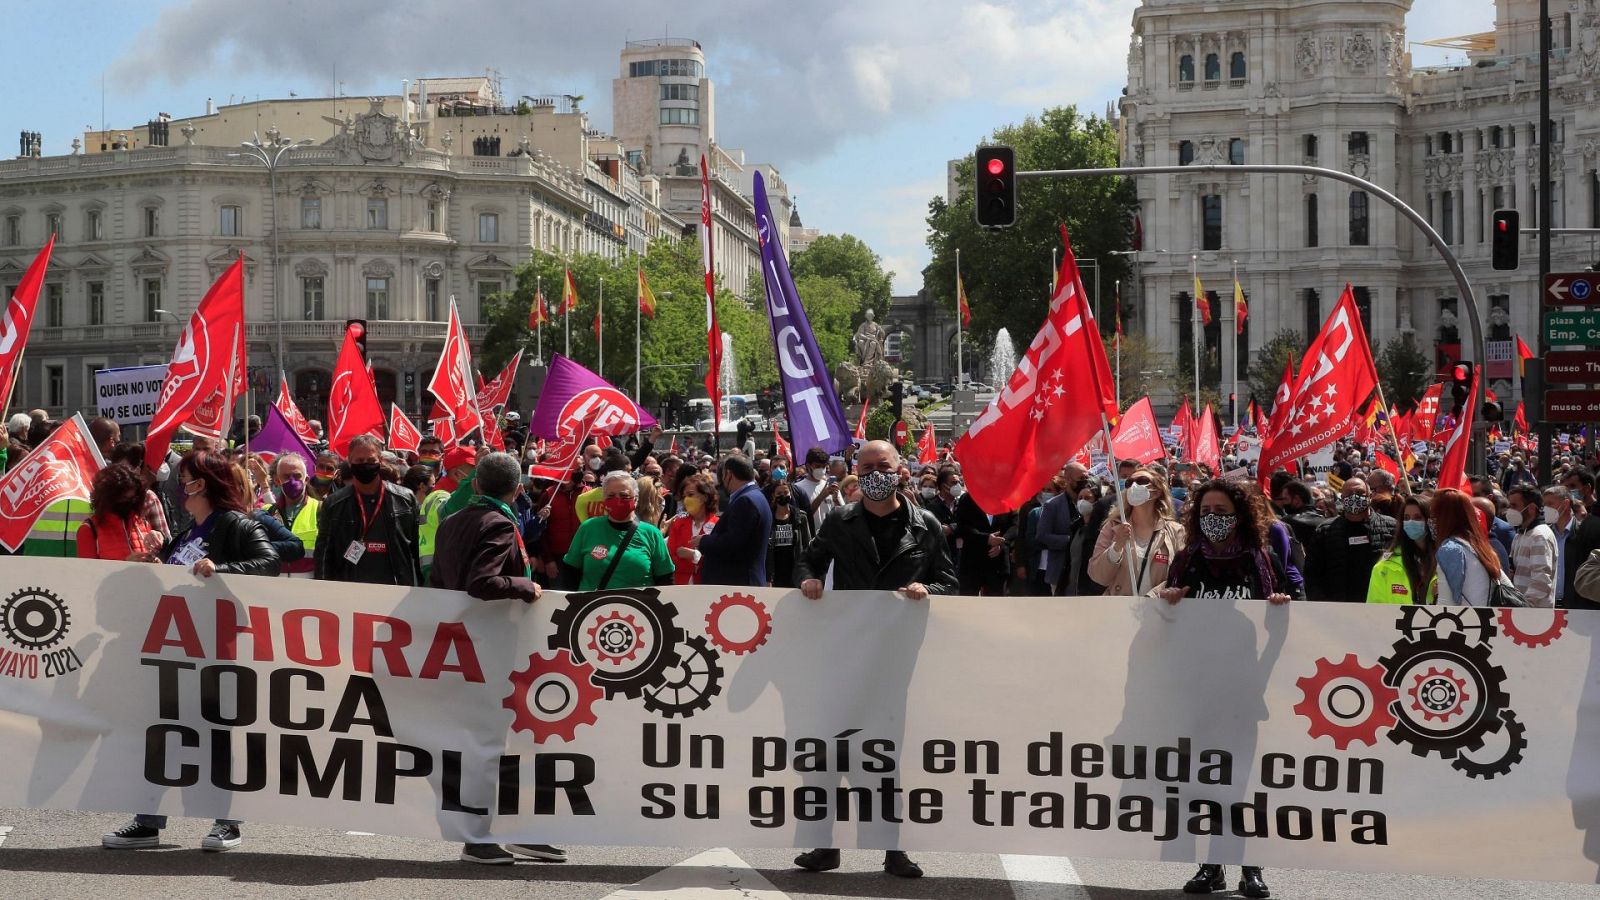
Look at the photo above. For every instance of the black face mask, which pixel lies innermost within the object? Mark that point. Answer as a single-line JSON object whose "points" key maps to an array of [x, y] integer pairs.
{"points": [[781, 499], [366, 473]]}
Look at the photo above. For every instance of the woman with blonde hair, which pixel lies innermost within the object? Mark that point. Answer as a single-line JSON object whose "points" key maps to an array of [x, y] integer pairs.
{"points": [[1140, 539], [649, 501]]}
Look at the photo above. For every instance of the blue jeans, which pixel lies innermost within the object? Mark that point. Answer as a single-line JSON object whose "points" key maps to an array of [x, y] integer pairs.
{"points": [[160, 822]]}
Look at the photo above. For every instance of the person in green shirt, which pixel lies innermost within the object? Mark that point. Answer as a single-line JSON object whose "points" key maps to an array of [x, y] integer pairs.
{"points": [[644, 559], [1405, 573]]}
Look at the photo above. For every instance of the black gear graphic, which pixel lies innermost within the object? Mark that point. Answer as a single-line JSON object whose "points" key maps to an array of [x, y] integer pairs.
{"points": [[1418, 622], [656, 648], [34, 619], [1516, 742], [1452, 652], [692, 690]]}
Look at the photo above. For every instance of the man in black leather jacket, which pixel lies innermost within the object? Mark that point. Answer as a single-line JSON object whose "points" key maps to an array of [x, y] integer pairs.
{"points": [[367, 530]]}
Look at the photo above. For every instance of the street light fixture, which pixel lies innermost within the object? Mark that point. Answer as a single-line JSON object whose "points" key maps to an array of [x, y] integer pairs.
{"points": [[269, 154]]}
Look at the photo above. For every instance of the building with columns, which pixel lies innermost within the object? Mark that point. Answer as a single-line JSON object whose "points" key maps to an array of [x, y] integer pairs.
{"points": [[1330, 83]]}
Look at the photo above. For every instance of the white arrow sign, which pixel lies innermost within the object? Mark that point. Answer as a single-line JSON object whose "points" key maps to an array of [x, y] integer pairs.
{"points": [[1558, 289]]}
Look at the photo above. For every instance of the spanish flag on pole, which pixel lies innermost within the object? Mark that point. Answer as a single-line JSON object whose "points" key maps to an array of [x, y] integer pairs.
{"points": [[647, 299], [1202, 301], [569, 293], [1524, 353], [961, 302], [539, 314], [1241, 309]]}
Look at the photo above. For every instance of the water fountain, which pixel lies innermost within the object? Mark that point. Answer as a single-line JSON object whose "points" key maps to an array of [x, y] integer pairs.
{"points": [[727, 379], [1002, 360]]}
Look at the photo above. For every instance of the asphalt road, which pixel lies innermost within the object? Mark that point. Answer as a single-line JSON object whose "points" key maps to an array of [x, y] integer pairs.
{"points": [[58, 854]]}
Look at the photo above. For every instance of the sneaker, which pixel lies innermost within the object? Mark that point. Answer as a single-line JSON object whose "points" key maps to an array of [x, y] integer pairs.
{"points": [[131, 836], [541, 852], [221, 837], [897, 863], [486, 854], [820, 860]]}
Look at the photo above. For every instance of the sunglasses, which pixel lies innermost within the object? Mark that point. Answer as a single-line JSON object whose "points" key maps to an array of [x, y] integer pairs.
{"points": [[1142, 479]]}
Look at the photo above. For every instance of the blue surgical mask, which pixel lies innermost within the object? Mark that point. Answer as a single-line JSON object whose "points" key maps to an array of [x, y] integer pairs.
{"points": [[780, 474], [1415, 530]]}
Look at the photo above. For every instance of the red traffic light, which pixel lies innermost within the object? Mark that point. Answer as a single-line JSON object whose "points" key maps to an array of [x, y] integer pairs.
{"points": [[997, 166], [1462, 373], [357, 329]]}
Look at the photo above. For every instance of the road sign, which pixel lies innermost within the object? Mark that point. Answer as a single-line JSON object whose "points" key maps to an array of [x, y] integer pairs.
{"points": [[1576, 328], [1572, 367], [1572, 406], [1572, 289], [901, 433]]}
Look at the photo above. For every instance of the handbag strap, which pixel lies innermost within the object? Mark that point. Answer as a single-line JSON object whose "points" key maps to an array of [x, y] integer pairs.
{"points": [[616, 558]]}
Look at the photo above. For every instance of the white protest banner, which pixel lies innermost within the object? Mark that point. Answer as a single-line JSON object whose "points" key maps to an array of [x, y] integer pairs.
{"points": [[1351, 737], [128, 395], [1317, 466]]}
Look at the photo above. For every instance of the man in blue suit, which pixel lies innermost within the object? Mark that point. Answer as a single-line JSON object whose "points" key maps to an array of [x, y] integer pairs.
{"points": [[735, 551]]}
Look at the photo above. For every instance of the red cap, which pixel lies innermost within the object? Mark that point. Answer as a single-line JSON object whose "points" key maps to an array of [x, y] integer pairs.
{"points": [[460, 456]]}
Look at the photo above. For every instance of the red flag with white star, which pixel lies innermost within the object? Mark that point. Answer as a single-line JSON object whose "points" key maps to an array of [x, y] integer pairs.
{"points": [[1332, 388], [1427, 411]]}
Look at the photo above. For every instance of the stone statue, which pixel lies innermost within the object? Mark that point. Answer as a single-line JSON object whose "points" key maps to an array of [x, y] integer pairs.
{"points": [[868, 342], [1448, 322], [1499, 323]]}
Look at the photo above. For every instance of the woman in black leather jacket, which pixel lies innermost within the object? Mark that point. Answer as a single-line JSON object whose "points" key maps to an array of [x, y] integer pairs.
{"points": [[224, 537]]}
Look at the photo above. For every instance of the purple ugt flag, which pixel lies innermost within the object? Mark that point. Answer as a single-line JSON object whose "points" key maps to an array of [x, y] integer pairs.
{"points": [[575, 399], [277, 436], [815, 417]]}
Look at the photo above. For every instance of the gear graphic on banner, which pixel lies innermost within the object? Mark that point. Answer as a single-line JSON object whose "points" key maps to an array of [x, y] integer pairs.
{"points": [[1434, 667], [34, 619], [628, 637], [1346, 701], [552, 696], [1510, 627], [1431, 621], [1515, 734], [758, 632], [689, 686]]}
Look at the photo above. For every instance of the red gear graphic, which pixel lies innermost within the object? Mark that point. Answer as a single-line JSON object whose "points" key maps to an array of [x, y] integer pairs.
{"points": [[1508, 626], [1376, 717], [714, 623], [1457, 704], [635, 643], [557, 665]]}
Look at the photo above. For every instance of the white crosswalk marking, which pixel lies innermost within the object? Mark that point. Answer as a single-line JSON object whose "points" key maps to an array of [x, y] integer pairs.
{"points": [[4, 830], [1043, 878], [712, 875]]}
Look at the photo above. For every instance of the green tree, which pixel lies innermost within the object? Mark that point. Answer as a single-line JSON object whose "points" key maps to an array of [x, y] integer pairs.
{"points": [[1405, 370], [1007, 272], [847, 258], [1144, 369], [1266, 373]]}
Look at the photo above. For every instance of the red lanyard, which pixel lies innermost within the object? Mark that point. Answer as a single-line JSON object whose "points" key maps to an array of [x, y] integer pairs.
{"points": [[366, 521]]}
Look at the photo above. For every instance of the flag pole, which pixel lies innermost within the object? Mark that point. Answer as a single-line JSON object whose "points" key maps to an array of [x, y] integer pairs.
{"points": [[538, 320], [1237, 325], [960, 363], [600, 332], [566, 309], [1119, 346], [1196, 329], [1399, 452], [638, 329]]}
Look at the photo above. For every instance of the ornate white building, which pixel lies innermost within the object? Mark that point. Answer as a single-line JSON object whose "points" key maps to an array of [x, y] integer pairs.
{"points": [[1330, 83]]}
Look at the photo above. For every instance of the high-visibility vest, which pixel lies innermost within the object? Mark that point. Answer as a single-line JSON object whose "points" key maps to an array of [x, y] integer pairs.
{"points": [[429, 519], [56, 531]]}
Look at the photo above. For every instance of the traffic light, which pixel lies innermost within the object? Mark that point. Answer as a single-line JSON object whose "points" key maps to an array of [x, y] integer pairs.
{"points": [[896, 396], [357, 328], [996, 198], [1507, 234], [1460, 388], [1493, 411]]}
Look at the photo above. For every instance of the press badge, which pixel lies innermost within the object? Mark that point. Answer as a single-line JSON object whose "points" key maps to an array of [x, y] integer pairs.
{"points": [[354, 552]]}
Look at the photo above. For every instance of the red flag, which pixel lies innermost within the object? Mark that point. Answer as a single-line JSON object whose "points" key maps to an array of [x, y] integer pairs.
{"points": [[928, 447], [1206, 447], [1137, 437], [491, 432], [1280, 402], [18, 320], [62, 467], [595, 328], [493, 396], [1331, 388], [1520, 421], [1523, 355], [1427, 411], [291, 412], [444, 429], [403, 436], [1453, 468], [1059, 395], [672, 446], [1183, 422], [962, 305], [203, 364], [569, 293], [538, 315], [353, 407], [1386, 463], [452, 379], [783, 446], [713, 330], [861, 426]]}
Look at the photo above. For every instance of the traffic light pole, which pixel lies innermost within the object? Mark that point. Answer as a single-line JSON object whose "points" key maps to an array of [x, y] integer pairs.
{"points": [[1469, 298], [1541, 418]]}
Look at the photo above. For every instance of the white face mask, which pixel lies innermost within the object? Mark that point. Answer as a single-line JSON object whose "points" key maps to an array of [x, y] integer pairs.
{"points": [[1514, 518], [1085, 507], [1137, 494], [1551, 515], [957, 491], [818, 474]]}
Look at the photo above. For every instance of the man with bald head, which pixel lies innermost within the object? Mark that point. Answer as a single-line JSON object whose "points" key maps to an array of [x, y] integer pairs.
{"points": [[878, 543], [1343, 550]]}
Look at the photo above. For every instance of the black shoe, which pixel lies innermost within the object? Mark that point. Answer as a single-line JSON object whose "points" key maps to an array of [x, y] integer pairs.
{"points": [[486, 854], [541, 852], [897, 863], [1251, 884], [1209, 878], [132, 836], [819, 860]]}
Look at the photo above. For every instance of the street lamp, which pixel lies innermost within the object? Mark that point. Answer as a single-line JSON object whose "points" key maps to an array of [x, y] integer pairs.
{"points": [[269, 154]]}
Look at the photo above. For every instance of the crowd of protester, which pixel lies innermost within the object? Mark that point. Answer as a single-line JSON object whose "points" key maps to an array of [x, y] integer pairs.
{"points": [[636, 514]]}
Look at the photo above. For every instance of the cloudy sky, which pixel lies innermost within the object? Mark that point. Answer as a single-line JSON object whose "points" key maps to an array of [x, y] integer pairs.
{"points": [[858, 104]]}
